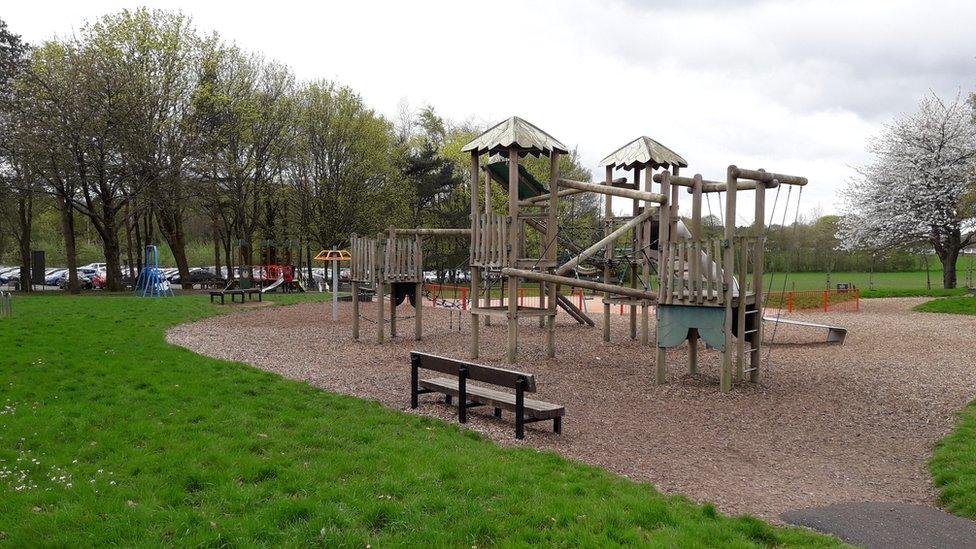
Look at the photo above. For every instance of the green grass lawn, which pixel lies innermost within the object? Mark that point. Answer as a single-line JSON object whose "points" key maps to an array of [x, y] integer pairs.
{"points": [[953, 463], [108, 435], [912, 281], [960, 305]]}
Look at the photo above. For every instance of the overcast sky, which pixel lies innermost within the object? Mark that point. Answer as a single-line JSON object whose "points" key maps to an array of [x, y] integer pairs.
{"points": [[793, 87]]}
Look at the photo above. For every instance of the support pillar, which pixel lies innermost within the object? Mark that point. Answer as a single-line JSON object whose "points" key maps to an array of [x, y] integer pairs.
{"points": [[514, 252], [418, 313], [355, 311], [608, 252], [475, 240], [380, 317], [552, 236]]}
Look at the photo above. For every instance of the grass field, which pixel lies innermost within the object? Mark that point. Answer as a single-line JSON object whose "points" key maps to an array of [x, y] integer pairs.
{"points": [[108, 435], [953, 466], [953, 463], [961, 305]]}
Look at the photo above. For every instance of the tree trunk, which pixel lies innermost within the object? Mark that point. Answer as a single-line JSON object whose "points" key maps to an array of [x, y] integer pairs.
{"points": [[128, 244], [216, 241], [113, 251], [25, 217], [171, 225], [136, 223], [949, 259], [70, 250]]}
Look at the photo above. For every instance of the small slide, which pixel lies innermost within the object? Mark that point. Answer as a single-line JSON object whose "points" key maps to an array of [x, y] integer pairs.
{"points": [[835, 334], [275, 284]]}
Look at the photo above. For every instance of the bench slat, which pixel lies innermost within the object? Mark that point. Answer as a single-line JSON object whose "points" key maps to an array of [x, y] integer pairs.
{"points": [[499, 399], [476, 372]]}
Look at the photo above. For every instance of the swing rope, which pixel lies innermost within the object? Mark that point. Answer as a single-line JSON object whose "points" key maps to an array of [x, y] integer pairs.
{"points": [[789, 268]]}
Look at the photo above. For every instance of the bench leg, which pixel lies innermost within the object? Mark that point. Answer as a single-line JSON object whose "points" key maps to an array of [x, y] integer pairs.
{"points": [[557, 425], [448, 399], [498, 412], [520, 409]]}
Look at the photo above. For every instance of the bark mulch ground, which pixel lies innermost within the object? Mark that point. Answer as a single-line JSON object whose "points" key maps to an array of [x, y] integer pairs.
{"points": [[826, 424]]}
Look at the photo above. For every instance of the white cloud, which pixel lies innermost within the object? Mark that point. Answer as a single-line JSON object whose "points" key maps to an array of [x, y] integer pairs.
{"points": [[795, 87]]}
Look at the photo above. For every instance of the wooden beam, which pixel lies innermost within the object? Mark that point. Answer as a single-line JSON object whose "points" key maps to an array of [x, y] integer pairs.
{"points": [[636, 293], [607, 245], [608, 239], [514, 242], [552, 237], [768, 177], [608, 189], [475, 241], [431, 232]]}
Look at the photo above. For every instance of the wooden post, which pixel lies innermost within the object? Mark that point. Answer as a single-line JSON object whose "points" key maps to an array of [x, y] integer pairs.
{"points": [[664, 285], [513, 240], [634, 248], [696, 235], [475, 239], [355, 310], [693, 351], [418, 312], [552, 235], [608, 252], [645, 262], [728, 260], [380, 317], [759, 229]]}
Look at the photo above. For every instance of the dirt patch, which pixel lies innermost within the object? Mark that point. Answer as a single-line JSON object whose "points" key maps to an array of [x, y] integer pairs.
{"points": [[826, 424]]}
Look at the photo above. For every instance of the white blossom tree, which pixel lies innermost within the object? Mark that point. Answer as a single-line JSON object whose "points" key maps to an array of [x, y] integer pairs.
{"points": [[919, 188]]}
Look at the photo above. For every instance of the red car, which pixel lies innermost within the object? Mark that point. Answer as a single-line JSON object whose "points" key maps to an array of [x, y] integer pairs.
{"points": [[98, 282]]}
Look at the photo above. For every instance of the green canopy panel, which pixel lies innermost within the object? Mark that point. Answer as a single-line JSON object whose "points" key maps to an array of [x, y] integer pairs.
{"points": [[529, 186]]}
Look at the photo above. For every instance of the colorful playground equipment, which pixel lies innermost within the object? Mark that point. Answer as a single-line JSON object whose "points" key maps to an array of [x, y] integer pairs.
{"points": [[151, 282]]}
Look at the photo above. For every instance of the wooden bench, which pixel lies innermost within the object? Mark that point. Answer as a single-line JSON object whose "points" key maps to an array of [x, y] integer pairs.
{"points": [[471, 396], [232, 293]]}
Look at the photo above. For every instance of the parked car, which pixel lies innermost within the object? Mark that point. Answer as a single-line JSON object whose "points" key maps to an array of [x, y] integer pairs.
{"points": [[98, 282], [85, 276], [52, 278], [199, 276]]}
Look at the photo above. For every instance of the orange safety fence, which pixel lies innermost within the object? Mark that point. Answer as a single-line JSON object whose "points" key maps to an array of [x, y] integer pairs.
{"points": [[822, 300]]}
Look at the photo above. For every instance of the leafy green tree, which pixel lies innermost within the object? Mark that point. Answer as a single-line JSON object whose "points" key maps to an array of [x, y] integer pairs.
{"points": [[341, 164]]}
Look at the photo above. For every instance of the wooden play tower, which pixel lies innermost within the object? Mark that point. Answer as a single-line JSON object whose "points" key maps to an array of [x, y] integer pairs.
{"points": [[702, 287]]}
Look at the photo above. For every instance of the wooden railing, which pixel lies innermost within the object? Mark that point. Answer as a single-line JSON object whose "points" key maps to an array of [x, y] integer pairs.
{"points": [[389, 260], [491, 242], [363, 266], [402, 260], [699, 272]]}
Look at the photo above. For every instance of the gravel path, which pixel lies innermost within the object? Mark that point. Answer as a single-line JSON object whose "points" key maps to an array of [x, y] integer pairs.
{"points": [[826, 424]]}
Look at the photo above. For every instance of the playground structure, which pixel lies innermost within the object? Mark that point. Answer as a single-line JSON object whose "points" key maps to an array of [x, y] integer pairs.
{"points": [[707, 288], [151, 282], [390, 265], [277, 268], [335, 257]]}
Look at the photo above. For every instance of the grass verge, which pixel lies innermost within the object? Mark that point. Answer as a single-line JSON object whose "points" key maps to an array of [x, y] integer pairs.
{"points": [[953, 466], [108, 435], [961, 305]]}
